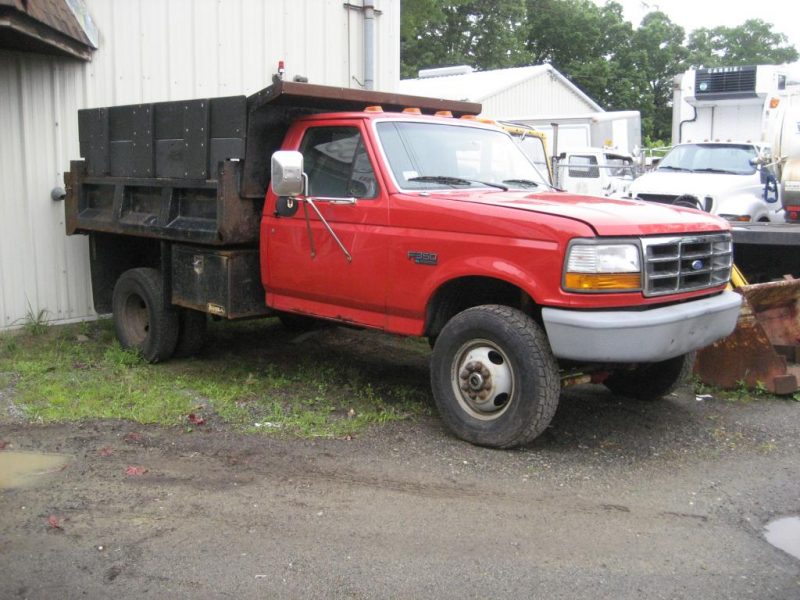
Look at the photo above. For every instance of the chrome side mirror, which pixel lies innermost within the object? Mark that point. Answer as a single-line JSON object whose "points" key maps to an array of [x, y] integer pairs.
{"points": [[287, 173]]}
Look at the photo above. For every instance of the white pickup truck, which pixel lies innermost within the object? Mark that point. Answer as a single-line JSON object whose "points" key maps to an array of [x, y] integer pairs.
{"points": [[595, 172]]}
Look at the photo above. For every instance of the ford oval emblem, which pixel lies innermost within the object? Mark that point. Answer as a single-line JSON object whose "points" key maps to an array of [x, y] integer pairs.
{"points": [[697, 265]]}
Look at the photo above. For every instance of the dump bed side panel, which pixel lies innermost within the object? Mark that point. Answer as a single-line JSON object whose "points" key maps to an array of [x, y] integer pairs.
{"points": [[174, 140]]}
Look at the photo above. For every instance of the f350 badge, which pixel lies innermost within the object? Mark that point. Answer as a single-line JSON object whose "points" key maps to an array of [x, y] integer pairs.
{"points": [[424, 258]]}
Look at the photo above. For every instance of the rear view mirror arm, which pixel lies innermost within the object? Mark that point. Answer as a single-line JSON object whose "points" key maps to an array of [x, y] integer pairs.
{"points": [[308, 200]]}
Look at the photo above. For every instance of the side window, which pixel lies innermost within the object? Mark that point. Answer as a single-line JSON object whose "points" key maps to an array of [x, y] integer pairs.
{"points": [[583, 166], [337, 164]]}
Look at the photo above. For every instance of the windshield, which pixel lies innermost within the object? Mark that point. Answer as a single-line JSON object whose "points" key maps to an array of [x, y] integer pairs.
{"points": [[425, 156], [621, 167], [533, 147], [710, 158]]}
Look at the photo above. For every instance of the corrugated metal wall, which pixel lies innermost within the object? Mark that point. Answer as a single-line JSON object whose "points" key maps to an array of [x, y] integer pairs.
{"points": [[542, 95], [150, 50]]}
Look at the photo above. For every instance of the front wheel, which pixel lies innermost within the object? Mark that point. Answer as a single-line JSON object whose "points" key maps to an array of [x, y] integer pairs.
{"points": [[653, 380], [494, 378], [141, 319]]}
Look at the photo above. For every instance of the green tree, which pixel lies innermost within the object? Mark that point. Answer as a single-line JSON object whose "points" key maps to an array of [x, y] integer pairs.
{"points": [[619, 66], [752, 43], [657, 55], [450, 32]]}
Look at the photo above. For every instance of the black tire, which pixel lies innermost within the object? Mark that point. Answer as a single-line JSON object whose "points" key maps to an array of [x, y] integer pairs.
{"points": [[192, 329], [653, 380], [503, 352], [141, 320]]}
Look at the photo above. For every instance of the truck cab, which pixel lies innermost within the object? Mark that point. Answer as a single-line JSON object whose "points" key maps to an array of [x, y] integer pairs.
{"points": [[728, 179], [595, 172]]}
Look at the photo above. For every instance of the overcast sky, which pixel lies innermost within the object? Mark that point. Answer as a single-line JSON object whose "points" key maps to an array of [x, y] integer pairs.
{"points": [[693, 14]]}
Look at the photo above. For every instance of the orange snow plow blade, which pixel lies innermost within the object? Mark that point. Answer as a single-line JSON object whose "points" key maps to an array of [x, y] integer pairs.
{"points": [[764, 349]]}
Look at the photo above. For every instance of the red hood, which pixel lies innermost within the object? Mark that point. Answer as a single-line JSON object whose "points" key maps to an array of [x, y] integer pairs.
{"points": [[607, 216]]}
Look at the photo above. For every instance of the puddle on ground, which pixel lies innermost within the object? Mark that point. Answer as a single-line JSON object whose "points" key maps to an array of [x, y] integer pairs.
{"points": [[785, 534], [20, 469]]}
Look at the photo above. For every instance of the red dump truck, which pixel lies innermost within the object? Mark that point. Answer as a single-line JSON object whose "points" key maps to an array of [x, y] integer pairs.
{"points": [[400, 214]]}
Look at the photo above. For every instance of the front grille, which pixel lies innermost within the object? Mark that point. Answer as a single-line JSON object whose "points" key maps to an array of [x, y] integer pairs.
{"points": [[684, 264], [661, 198], [686, 200]]}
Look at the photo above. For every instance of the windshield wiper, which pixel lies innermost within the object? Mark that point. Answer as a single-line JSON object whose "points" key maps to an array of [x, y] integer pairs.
{"points": [[671, 168], [523, 182], [712, 170], [447, 180]]}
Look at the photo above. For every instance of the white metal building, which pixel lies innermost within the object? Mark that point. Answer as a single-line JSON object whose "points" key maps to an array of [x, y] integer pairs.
{"points": [[146, 51], [517, 93]]}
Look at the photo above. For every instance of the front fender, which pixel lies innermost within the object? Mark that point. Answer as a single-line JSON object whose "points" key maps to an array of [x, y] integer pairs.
{"points": [[738, 205]]}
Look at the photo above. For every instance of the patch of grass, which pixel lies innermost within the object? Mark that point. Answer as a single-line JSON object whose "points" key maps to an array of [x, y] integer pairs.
{"points": [[35, 321], [118, 356], [767, 447], [741, 393], [5, 380], [700, 387], [251, 376], [8, 346]]}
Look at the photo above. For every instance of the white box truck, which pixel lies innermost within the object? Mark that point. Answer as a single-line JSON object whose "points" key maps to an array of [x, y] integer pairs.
{"points": [[721, 160]]}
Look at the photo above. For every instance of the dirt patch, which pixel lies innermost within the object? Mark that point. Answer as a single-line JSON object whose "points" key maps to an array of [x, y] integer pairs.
{"points": [[9, 411], [629, 500]]}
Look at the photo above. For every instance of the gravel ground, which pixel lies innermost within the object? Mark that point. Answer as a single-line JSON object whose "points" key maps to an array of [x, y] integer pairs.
{"points": [[617, 499]]}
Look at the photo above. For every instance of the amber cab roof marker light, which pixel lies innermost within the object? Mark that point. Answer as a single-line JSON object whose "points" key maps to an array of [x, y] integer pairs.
{"points": [[373, 109], [443, 113], [412, 110]]}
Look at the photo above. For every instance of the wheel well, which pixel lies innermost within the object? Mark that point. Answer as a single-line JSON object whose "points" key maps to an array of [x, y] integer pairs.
{"points": [[111, 255], [463, 293]]}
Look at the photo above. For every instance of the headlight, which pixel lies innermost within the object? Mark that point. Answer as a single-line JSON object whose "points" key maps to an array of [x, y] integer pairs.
{"points": [[603, 268], [737, 218]]}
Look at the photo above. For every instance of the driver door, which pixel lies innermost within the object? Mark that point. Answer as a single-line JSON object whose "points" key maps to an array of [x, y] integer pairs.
{"points": [[307, 271]]}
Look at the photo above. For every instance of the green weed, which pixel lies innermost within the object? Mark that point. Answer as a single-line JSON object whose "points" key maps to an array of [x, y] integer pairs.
{"points": [[8, 347], [118, 356], [35, 321]]}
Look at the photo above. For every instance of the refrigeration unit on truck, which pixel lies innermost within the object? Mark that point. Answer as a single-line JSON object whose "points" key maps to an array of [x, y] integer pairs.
{"points": [[309, 202], [722, 134]]}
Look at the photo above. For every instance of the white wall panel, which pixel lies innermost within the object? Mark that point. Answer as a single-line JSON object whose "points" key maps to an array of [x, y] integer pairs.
{"points": [[150, 50], [534, 97], [12, 219]]}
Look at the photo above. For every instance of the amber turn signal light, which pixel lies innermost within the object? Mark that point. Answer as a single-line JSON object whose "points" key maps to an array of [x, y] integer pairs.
{"points": [[603, 282]]}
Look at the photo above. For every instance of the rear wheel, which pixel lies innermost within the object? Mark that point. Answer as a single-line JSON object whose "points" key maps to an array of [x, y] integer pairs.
{"points": [[141, 319], [653, 380], [494, 378]]}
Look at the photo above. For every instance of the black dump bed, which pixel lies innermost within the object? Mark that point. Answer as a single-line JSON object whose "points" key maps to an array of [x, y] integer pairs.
{"points": [[197, 170]]}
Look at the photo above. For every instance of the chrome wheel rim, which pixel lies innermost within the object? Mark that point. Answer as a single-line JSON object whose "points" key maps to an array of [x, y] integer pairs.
{"points": [[483, 379], [137, 319]]}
